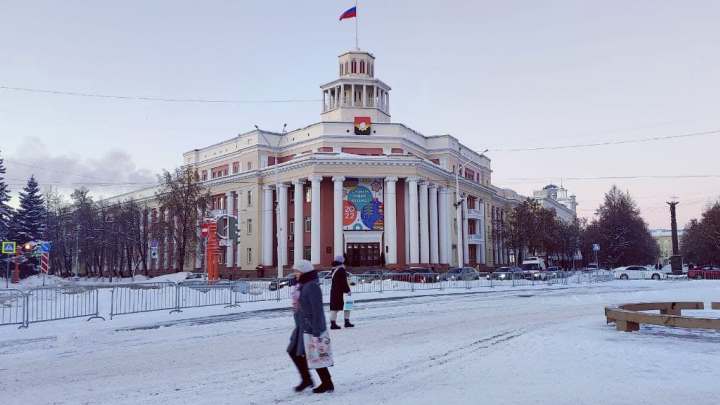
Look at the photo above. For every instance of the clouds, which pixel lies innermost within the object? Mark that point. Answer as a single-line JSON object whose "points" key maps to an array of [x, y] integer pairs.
{"points": [[108, 173]]}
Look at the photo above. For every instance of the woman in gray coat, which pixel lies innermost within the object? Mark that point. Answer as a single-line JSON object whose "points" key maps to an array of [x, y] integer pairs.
{"points": [[309, 318]]}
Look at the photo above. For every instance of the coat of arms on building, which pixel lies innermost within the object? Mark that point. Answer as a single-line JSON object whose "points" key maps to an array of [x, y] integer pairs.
{"points": [[362, 125]]}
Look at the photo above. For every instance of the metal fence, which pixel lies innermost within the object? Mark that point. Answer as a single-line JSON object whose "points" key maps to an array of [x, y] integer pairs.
{"points": [[43, 304], [12, 307], [64, 302], [143, 297]]}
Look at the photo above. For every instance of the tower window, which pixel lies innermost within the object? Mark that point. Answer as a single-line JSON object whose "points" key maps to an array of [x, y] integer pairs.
{"points": [[346, 68], [362, 66], [353, 66], [341, 69]]}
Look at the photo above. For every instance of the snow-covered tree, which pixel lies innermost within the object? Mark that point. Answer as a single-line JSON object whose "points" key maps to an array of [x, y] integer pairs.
{"points": [[28, 222], [5, 209]]}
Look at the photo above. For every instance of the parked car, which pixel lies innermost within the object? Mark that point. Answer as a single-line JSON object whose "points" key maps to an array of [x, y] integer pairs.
{"points": [[280, 283], [460, 273], [706, 272], [371, 275], [504, 273], [426, 276], [638, 273]]}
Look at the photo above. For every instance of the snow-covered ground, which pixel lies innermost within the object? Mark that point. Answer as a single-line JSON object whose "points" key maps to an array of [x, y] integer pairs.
{"points": [[531, 345]]}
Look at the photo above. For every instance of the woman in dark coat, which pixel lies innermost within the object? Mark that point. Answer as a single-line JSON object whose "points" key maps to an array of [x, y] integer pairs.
{"points": [[338, 287], [309, 318]]}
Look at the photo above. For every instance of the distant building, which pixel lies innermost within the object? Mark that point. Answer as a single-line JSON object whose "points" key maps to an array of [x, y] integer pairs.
{"points": [[556, 198], [663, 237]]}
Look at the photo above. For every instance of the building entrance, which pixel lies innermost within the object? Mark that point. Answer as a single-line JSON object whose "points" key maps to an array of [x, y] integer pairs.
{"points": [[363, 254]]}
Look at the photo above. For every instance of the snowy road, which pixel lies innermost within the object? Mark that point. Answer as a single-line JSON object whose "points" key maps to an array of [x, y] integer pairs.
{"points": [[534, 346]]}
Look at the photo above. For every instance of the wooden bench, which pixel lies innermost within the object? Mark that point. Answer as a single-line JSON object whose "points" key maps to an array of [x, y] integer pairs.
{"points": [[628, 317]]}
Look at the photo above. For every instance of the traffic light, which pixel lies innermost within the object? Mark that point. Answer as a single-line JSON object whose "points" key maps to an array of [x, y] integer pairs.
{"points": [[28, 247]]}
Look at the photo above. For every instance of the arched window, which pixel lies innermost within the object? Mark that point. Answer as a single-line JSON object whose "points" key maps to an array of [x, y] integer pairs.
{"points": [[341, 69], [346, 68], [362, 66], [370, 68], [353, 66]]}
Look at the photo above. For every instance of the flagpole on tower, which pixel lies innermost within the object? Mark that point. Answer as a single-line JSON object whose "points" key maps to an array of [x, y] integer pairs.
{"points": [[356, 27]]}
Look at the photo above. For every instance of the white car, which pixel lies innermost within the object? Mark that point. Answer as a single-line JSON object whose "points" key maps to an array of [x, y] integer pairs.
{"points": [[638, 273]]}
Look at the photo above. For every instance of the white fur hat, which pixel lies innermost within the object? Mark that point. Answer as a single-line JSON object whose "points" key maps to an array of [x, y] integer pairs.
{"points": [[304, 266]]}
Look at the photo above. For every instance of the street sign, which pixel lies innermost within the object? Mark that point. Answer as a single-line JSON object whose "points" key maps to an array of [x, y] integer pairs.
{"points": [[153, 253], [8, 248], [45, 247], [154, 244], [596, 247]]}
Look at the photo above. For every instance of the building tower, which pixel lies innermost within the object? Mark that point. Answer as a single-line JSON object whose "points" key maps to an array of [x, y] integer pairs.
{"points": [[356, 93]]}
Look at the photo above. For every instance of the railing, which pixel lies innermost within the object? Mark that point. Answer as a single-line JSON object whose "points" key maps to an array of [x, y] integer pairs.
{"points": [[143, 297], [64, 302], [12, 307]]}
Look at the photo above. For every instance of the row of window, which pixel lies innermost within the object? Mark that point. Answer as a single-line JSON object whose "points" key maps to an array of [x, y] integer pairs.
{"points": [[222, 171], [353, 67]]}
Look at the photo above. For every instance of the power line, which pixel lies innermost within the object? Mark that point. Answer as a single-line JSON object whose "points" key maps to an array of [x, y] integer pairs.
{"points": [[638, 177], [608, 143], [161, 99]]}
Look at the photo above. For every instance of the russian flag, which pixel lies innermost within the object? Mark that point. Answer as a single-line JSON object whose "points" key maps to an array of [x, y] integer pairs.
{"points": [[350, 13]]}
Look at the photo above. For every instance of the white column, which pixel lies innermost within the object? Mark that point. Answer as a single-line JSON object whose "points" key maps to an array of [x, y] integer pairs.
{"points": [[229, 257], [299, 220], [166, 239], [466, 245], [413, 220], [424, 225], [282, 224], [315, 220], [444, 222], [434, 248], [406, 211], [267, 234], [458, 216], [390, 220], [352, 91], [338, 247], [238, 256], [364, 96]]}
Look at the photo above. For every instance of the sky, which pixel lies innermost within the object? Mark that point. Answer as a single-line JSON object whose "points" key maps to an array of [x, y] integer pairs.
{"points": [[502, 75]]}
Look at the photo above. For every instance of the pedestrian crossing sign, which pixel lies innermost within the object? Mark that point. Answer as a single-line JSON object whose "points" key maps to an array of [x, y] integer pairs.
{"points": [[8, 248]]}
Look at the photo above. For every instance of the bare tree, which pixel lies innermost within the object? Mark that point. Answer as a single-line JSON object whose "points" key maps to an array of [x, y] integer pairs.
{"points": [[182, 195]]}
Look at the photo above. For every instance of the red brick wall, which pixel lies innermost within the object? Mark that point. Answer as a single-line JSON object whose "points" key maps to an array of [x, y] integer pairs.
{"points": [[326, 222], [400, 220], [364, 151]]}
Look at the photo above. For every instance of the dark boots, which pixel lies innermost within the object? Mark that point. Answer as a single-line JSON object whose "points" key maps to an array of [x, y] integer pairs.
{"points": [[348, 324], [334, 325], [326, 384], [306, 380]]}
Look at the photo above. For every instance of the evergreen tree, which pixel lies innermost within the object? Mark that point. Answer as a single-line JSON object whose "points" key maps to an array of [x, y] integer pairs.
{"points": [[5, 209], [29, 220], [621, 232]]}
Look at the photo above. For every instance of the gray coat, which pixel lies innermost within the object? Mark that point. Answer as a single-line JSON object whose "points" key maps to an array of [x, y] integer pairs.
{"points": [[310, 317]]}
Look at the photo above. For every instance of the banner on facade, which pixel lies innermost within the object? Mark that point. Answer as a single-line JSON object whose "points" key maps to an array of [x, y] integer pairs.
{"points": [[363, 208]]}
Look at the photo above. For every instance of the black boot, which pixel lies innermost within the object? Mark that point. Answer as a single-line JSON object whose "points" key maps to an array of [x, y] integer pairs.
{"points": [[302, 367], [348, 324], [334, 325], [326, 384]]}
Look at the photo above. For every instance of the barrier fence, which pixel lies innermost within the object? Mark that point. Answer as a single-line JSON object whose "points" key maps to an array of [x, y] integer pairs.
{"points": [[64, 302]]}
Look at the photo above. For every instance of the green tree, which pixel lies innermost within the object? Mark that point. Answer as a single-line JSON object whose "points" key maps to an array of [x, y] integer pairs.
{"points": [[6, 211], [620, 231], [28, 221]]}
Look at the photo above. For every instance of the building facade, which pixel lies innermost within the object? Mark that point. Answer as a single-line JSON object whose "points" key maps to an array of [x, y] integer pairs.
{"points": [[557, 199], [354, 184]]}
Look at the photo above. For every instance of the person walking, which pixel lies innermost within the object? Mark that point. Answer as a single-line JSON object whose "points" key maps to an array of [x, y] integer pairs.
{"points": [[309, 324], [338, 287]]}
